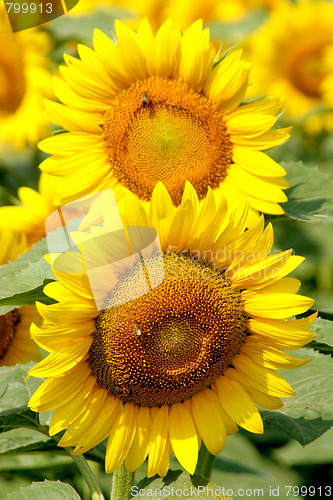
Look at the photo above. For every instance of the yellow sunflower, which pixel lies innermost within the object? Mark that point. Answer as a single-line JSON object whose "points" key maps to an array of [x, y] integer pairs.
{"points": [[159, 108], [183, 12], [16, 345], [11, 245], [290, 55], [174, 343], [27, 219], [24, 83]]}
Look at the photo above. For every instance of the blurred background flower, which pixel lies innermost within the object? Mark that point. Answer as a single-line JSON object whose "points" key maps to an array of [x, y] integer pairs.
{"points": [[24, 83], [183, 12], [292, 59]]}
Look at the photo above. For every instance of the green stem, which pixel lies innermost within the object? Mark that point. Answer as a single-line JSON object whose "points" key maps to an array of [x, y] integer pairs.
{"points": [[121, 484], [82, 464], [205, 463]]}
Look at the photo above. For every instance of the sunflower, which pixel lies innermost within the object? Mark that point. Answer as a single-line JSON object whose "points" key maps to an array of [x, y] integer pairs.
{"points": [[11, 245], [27, 219], [16, 345], [24, 83], [159, 108], [290, 55], [173, 344], [183, 12]]}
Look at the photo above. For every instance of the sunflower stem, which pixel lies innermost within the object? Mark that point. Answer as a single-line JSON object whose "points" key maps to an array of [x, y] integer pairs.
{"points": [[205, 463], [81, 463], [83, 466], [121, 483]]}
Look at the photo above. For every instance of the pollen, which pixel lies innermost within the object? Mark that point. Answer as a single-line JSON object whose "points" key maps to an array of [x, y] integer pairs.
{"points": [[8, 327], [162, 130], [173, 341]]}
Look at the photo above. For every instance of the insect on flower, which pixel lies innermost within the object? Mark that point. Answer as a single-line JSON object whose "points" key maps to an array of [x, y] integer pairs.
{"points": [[138, 329], [145, 99]]}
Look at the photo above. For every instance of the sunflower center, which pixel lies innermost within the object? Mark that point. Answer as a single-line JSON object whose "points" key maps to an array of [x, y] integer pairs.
{"points": [[8, 326], [161, 130], [12, 79], [171, 342], [305, 67]]}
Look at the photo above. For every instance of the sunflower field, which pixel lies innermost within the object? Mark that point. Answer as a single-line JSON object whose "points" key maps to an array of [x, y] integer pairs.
{"points": [[166, 249]]}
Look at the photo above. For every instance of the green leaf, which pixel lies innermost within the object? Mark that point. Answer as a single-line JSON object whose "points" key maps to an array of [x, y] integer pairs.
{"points": [[310, 196], [319, 451], [324, 339], [5, 196], [47, 490], [309, 414], [15, 393], [241, 465], [28, 298], [19, 441], [179, 484], [176, 483], [26, 274]]}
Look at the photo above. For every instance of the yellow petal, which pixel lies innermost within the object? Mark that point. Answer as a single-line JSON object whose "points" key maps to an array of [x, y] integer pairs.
{"points": [[284, 285], [230, 425], [111, 59], [256, 161], [183, 437], [180, 227], [197, 57], [208, 420], [66, 312], [65, 414], [269, 189], [238, 404], [78, 430], [102, 427], [158, 439], [130, 52], [121, 438], [260, 398], [140, 446], [228, 78], [69, 142], [163, 54], [282, 334], [277, 305], [58, 390], [259, 271], [250, 125], [74, 120], [267, 140], [57, 364], [271, 358], [263, 379], [161, 213]]}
